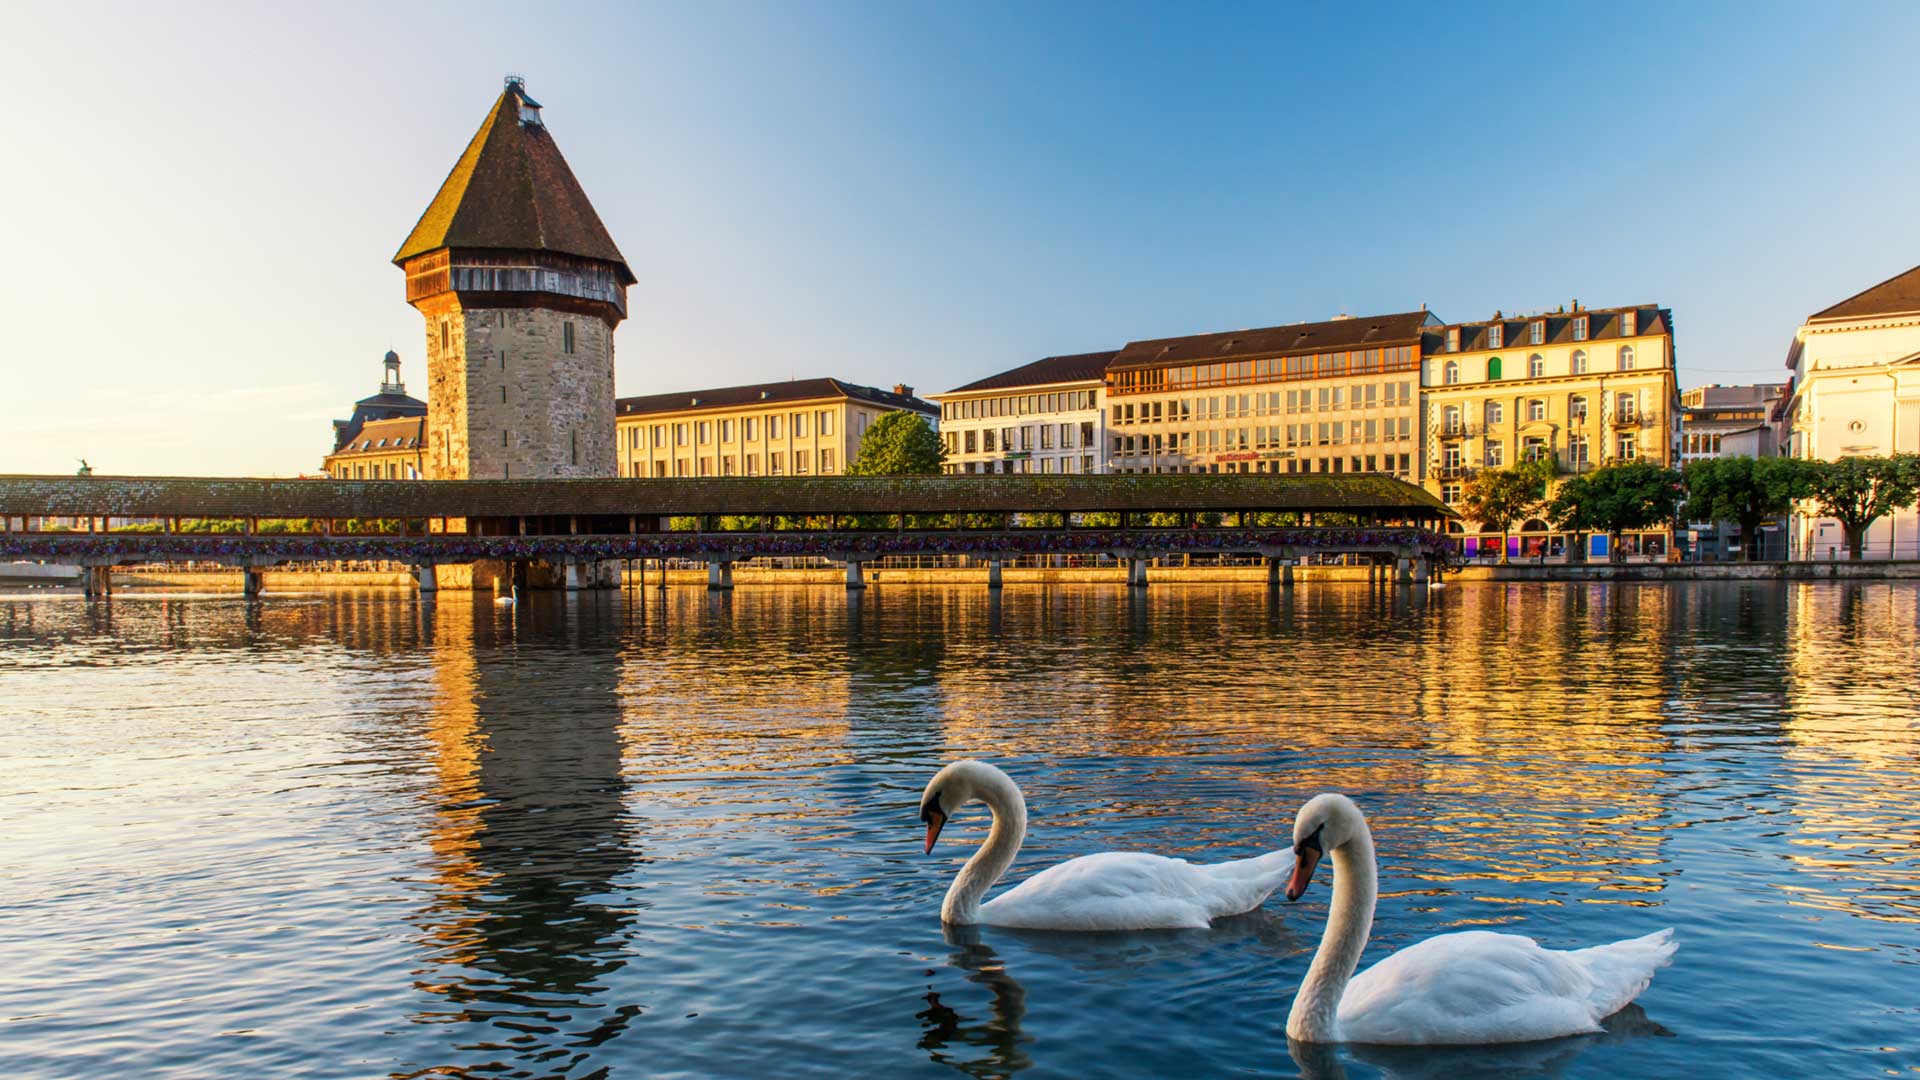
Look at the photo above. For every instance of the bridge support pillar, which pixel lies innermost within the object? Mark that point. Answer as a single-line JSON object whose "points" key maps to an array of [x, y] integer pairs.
{"points": [[1403, 570], [719, 575], [97, 581], [661, 584], [993, 573], [577, 576], [1286, 573], [1420, 572], [427, 575], [252, 581], [1137, 572], [856, 578], [1273, 573]]}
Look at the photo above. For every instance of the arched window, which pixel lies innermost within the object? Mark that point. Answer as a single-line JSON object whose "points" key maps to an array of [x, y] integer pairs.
{"points": [[1579, 361], [1493, 368], [1536, 366], [1452, 372], [1626, 358]]}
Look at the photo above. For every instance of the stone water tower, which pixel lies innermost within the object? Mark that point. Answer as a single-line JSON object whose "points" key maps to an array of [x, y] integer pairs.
{"points": [[521, 288]]}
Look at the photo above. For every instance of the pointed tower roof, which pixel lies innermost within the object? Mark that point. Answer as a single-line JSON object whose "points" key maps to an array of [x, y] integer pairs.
{"points": [[511, 190], [1898, 295]]}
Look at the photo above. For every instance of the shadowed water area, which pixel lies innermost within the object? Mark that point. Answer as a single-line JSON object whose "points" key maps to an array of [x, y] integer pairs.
{"points": [[351, 835]]}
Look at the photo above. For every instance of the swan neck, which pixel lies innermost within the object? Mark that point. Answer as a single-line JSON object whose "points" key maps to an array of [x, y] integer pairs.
{"points": [[1316, 1009], [990, 862]]}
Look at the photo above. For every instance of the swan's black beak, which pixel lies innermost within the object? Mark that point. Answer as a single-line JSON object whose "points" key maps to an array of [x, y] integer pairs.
{"points": [[931, 814], [1306, 856]]}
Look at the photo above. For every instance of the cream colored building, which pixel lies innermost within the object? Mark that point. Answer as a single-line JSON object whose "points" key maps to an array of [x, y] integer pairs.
{"points": [[382, 450], [1856, 392], [1043, 417], [1588, 387], [1327, 397], [803, 427]]}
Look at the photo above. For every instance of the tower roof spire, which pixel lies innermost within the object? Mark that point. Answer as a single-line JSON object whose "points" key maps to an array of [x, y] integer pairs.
{"points": [[512, 191]]}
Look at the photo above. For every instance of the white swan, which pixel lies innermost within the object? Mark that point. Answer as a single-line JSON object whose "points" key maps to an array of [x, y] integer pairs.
{"points": [[1473, 987], [1115, 890], [509, 600]]}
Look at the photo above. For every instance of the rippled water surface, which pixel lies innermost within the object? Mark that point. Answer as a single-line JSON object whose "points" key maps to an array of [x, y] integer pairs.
{"points": [[676, 835]]}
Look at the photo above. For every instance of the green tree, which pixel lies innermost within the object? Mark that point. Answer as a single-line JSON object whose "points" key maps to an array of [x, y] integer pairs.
{"points": [[1496, 498], [1616, 499], [1857, 491], [900, 443], [1746, 490]]}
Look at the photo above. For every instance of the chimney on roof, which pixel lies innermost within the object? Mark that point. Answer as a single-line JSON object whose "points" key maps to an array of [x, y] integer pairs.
{"points": [[903, 389], [1576, 303]]}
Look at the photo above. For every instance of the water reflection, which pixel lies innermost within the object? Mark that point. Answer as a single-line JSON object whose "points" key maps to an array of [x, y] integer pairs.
{"points": [[1510, 1061], [530, 917], [989, 1045]]}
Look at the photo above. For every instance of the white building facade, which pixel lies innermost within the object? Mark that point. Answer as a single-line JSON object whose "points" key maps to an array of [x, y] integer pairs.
{"points": [[1044, 417], [1856, 393]]}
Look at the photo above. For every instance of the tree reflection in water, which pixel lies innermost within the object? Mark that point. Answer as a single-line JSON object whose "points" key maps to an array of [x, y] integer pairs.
{"points": [[529, 838]]}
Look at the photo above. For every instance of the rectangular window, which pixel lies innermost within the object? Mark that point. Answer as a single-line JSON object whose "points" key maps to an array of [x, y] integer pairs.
{"points": [[726, 465], [726, 431], [776, 463], [800, 460], [1623, 406], [826, 425], [1577, 451], [826, 461], [1536, 409], [746, 429], [799, 431], [1629, 323], [1496, 335], [566, 338], [1046, 436], [706, 466], [753, 464], [706, 434], [680, 434], [1453, 339], [680, 467], [968, 442], [773, 427], [1536, 331], [503, 395], [986, 440], [1496, 454], [1580, 328], [1629, 446]]}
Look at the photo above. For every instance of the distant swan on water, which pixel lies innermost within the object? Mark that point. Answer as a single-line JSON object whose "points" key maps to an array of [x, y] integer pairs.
{"points": [[509, 600], [1114, 890], [1467, 988]]}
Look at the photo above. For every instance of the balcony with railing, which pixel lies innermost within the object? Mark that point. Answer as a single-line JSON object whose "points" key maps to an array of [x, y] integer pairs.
{"points": [[1459, 430]]}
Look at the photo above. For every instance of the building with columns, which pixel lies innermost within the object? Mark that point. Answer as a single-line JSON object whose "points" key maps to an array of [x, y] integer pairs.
{"points": [[521, 288], [1856, 392]]}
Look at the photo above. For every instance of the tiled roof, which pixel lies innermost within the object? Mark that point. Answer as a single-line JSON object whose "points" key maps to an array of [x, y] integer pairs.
{"points": [[511, 190], [1079, 367], [153, 496], [1365, 331], [1897, 295], [733, 397], [1602, 323], [386, 436]]}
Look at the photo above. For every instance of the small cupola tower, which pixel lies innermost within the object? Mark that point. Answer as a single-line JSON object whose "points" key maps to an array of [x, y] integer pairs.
{"points": [[521, 288], [391, 384]]}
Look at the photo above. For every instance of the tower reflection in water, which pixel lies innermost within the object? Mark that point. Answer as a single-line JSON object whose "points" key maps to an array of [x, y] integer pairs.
{"points": [[529, 837]]}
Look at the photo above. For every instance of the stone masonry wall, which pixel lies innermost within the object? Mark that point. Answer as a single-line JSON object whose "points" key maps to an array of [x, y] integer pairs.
{"points": [[524, 408], [447, 427]]}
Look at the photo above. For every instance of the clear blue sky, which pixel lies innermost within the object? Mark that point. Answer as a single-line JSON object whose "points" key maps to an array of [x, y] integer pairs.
{"points": [[200, 202]]}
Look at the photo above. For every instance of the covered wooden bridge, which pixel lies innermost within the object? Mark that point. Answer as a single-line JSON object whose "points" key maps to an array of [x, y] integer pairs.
{"points": [[563, 532]]}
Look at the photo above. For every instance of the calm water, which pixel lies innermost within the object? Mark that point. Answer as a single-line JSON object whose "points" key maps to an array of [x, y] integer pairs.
{"points": [[353, 835]]}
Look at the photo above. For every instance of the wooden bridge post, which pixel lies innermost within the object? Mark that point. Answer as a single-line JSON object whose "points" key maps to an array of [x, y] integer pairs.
{"points": [[1137, 572], [1286, 573], [719, 575], [856, 579], [252, 580], [427, 576], [1403, 570], [993, 573], [1273, 572], [662, 584]]}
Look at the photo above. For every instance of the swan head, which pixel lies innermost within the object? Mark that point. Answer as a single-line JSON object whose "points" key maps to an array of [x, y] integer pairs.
{"points": [[1328, 821], [953, 787]]}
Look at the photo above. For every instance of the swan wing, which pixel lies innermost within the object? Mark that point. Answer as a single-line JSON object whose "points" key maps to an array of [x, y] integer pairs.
{"points": [[1115, 890], [1473, 987]]}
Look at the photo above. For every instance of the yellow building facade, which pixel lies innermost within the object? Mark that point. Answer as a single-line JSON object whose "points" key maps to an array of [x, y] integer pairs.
{"points": [[803, 427], [1587, 387], [382, 450]]}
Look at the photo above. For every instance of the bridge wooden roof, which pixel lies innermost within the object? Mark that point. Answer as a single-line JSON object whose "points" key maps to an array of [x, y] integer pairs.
{"points": [[156, 496]]}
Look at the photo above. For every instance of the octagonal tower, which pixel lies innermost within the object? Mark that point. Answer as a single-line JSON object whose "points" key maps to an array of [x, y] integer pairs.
{"points": [[521, 288]]}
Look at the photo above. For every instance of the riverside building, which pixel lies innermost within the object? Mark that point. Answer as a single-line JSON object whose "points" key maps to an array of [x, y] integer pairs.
{"points": [[384, 439], [802, 427], [1327, 397], [1586, 387], [1043, 417], [1727, 421], [1856, 392]]}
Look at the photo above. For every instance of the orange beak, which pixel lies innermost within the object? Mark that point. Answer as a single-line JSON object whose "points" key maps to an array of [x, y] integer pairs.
{"points": [[1305, 858], [935, 822]]}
